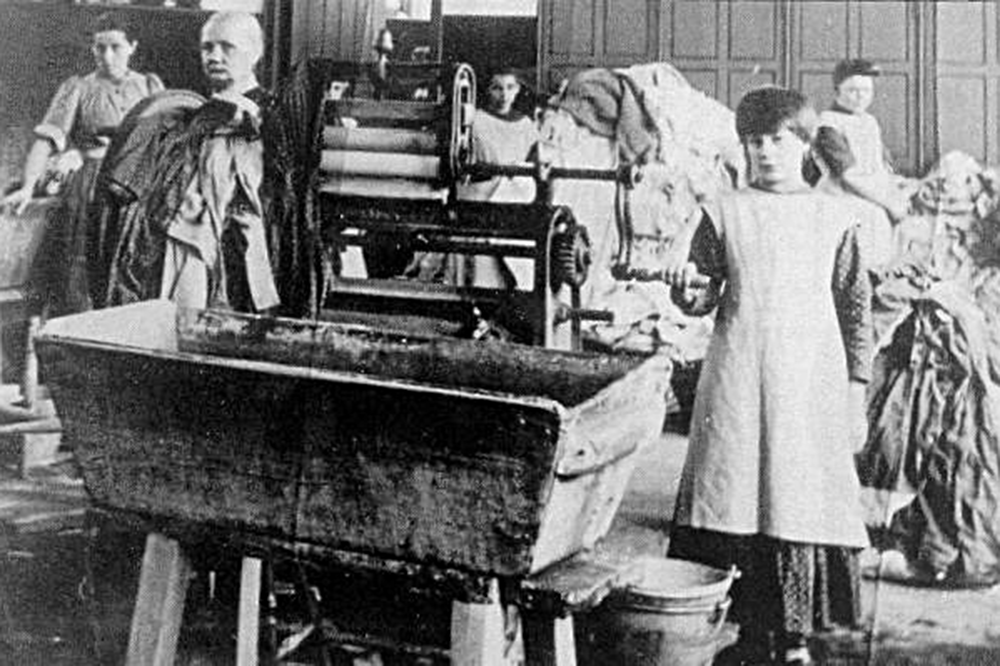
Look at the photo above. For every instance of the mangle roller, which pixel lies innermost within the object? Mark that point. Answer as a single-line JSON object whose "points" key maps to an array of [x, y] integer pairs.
{"points": [[393, 224]]}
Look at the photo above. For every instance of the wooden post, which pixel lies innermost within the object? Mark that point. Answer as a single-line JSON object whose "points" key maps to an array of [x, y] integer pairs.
{"points": [[477, 633], [29, 378], [248, 627], [159, 607], [549, 640]]}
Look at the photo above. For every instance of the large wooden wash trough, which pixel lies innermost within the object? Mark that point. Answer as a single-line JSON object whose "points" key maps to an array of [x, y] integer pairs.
{"points": [[484, 457]]}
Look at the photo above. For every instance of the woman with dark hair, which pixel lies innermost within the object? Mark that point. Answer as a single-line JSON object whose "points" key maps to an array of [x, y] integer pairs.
{"points": [[79, 124]]}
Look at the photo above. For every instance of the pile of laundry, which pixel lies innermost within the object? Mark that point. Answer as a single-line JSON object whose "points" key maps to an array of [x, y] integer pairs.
{"points": [[934, 402], [688, 152]]}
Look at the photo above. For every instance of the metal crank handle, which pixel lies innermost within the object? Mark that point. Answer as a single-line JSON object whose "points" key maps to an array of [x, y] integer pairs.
{"points": [[697, 282], [645, 275], [566, 313]]}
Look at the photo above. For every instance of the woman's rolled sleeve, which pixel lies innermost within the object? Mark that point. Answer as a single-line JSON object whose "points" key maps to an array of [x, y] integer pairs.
{"points": [[57, 124]]}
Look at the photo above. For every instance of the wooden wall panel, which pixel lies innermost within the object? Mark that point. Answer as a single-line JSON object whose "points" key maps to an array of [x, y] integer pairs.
{"points": [[758, 33], [961, 33], [887, 35], [816, 84], [967, 77], [331, 29], [705, 80], [741, 41], [624, 36], [895, 111], [962, 110], [695, 29], [824, 30], [741, 82], [580, 34], [885, 31], [940, 88], [571, 25]]}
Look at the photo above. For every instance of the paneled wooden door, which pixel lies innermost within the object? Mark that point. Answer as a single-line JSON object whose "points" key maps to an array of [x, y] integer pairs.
{"points": [[887, 32], [967, 78], [726, 47]]}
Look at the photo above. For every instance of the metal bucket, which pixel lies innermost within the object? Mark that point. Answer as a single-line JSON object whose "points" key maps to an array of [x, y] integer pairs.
{"points": [[671, 614]]}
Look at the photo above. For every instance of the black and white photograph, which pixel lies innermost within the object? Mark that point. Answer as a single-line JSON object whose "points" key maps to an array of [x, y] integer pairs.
{"points": [[499, 332]]}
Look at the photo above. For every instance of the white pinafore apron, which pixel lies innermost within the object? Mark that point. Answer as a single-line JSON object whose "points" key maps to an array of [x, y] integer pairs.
{"points": [[769, 450]]}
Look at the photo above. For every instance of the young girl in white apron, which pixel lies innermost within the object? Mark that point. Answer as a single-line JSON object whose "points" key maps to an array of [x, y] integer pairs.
{"points": [[769, 483]]}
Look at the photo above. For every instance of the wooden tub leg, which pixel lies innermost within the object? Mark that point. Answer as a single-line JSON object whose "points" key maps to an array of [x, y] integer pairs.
{"points": [[478, 634], [549, 640], [248, 627], [159, 607]]}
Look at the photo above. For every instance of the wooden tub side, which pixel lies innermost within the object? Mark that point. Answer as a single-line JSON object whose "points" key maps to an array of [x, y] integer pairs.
{"points": [[364, 464], [596, 458], [518, 370], [338, 438]]}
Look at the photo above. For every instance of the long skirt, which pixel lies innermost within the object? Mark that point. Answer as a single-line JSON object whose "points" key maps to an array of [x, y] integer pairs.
{"points": [[60, 280], [787, 590]]}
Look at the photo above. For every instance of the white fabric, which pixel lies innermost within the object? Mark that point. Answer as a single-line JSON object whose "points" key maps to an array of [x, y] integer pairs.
{"points": [[567, 144], [500, 141], [770, 450], [697, 132], [185, 276], [230, 169]]}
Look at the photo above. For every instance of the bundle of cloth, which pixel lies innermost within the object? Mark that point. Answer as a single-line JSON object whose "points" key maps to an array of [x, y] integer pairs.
{"points": [[949, 235], [688, 150], [931, 463], [188, 168]]}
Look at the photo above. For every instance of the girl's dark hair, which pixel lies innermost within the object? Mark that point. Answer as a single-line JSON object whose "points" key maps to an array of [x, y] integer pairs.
{"points": [[507, 70], [110, 21], [766, 110]]}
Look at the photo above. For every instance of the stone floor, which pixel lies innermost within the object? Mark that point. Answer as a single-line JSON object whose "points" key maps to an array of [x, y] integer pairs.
{"points": [[906, 625], [52, 614]]}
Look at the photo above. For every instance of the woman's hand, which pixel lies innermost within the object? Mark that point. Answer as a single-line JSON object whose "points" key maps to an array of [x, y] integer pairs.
{"points": [[18, 200], [858, 414]]}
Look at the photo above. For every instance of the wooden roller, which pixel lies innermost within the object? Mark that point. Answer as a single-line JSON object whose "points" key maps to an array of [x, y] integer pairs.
{"points": [[380, 165], [382, 188], [380, 140]]}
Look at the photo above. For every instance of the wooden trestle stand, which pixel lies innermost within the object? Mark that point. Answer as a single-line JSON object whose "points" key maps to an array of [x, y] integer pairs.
{"points": [[480, 629]]}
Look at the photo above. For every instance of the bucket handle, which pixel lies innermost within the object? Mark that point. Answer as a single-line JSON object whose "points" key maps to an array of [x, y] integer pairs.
{"points": [[720, 612]]}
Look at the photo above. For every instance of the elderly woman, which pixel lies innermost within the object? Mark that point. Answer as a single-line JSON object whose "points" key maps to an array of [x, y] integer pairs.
{"points": [[81, 118], [191, 186], [217, 251]]}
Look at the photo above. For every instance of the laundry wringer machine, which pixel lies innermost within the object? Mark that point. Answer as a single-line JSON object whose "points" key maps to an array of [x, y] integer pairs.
{"points": [[396, 234]]}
